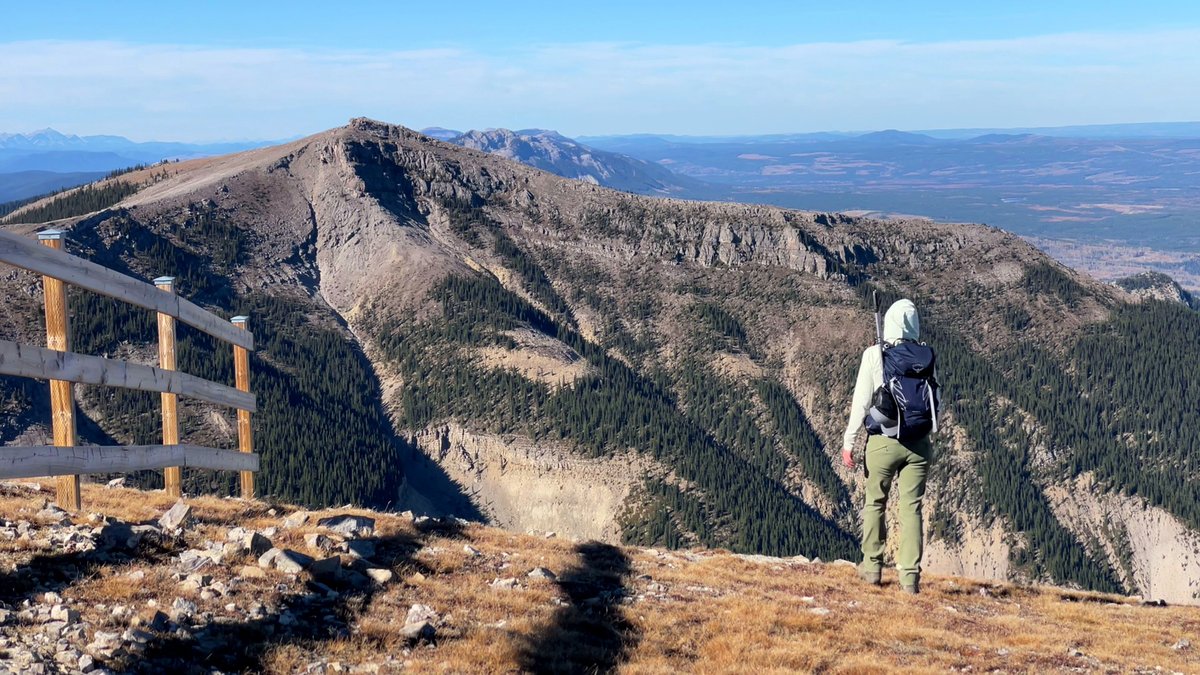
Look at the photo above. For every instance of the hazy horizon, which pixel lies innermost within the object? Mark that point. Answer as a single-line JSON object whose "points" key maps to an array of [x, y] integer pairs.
{"points": [[235, 71]]}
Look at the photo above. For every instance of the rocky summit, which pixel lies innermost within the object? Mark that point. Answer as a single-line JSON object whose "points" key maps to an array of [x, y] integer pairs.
{"points": [[119, 593], [452, 332], [553, 152]]}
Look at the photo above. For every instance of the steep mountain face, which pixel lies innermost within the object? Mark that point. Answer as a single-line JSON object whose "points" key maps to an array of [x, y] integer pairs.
{"points": [[1157, 286], [446, 330], [553, 152]]}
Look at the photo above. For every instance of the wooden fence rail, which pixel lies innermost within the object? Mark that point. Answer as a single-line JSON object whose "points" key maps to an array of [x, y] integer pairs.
{"points": [[63, 368]]}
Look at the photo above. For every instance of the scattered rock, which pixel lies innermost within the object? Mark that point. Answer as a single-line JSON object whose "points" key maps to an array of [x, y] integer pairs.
{"points": [[326, 567], [201, 580], [267, 560], [115, 483], [471, 550], [256, 543], [416, 632], [505, 584], [419, 613], [158, 622], [351, 526], [289, 561], [295, 520], [379, 575], [252, 572], [176, 518], [64, 614], [318, 542], [183, 609], [1182, 645], [542, 573], [53, 515], [359, 548], [819, 611]]}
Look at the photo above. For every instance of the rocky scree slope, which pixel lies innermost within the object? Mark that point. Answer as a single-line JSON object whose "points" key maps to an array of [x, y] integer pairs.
{"points": [[444, 329]]}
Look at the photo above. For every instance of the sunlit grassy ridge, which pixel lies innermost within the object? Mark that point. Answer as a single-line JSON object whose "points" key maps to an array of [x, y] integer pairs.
{"points": [[637, 610]]}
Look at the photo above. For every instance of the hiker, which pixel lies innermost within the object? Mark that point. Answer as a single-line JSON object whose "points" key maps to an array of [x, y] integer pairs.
{"points": [[898, 418]]}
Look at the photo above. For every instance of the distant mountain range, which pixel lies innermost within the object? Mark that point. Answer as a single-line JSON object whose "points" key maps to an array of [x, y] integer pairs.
{"points": [[551, 151], [1129, 183], [1092, 131], [46, 160], [23, 184]]}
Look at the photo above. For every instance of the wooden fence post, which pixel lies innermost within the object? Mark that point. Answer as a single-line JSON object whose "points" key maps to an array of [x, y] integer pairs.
{"points": [[241, 366], [172, 475], [62, 400]]}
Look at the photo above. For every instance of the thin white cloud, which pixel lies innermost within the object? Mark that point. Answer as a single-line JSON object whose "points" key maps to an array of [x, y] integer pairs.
{"points": [[170, 91]]}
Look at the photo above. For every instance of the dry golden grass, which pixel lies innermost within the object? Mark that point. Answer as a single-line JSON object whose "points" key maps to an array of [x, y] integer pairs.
{"points": [[641, 611]]}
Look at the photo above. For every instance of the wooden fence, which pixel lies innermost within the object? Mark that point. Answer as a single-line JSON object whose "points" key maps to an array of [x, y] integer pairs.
{"points": [[63, 368]]}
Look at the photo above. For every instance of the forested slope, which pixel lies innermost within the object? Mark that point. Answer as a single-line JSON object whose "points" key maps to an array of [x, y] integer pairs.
{"points": [[399, 286]]}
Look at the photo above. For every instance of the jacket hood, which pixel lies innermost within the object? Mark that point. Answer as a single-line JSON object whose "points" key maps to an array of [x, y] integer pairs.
{"points": [[901, 322]]}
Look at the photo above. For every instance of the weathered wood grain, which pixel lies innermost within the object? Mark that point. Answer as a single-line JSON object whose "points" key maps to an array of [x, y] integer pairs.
{"points": [[28, 361], [27, 254], [30, 462]]}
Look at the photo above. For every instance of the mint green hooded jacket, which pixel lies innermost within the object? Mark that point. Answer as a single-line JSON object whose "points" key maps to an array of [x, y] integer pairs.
{"points": [[901, 322]]}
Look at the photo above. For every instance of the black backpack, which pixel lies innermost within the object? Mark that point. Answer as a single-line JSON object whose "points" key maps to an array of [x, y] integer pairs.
{"points": [[906, 406]]}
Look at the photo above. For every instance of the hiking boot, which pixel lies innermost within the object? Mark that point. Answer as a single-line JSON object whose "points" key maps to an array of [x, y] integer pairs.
{"points": [[912, 589], [875, 578]]}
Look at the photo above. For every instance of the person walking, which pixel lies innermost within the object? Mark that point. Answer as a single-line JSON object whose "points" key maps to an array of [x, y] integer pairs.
{"points": [[896, 399]]}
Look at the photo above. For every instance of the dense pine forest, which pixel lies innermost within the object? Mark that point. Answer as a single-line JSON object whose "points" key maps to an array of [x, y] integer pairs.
{"points": [[322, 434], [75, 202], [613, 410]]}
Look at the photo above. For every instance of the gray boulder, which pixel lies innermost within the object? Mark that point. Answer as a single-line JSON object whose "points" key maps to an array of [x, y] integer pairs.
{"points": [[326, 567], [292, 562], [176, 518], [350, 526]]}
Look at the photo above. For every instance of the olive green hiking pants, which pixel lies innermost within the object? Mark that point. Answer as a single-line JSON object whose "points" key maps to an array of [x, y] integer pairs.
{"points": [[888, 460]]}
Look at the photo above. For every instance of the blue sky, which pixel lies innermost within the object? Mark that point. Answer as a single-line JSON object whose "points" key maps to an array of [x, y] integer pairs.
{"points": [[238, 70]]}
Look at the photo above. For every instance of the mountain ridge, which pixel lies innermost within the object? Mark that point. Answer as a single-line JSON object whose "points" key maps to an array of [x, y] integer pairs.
{"points": [[508, 321], [551, 151]]}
